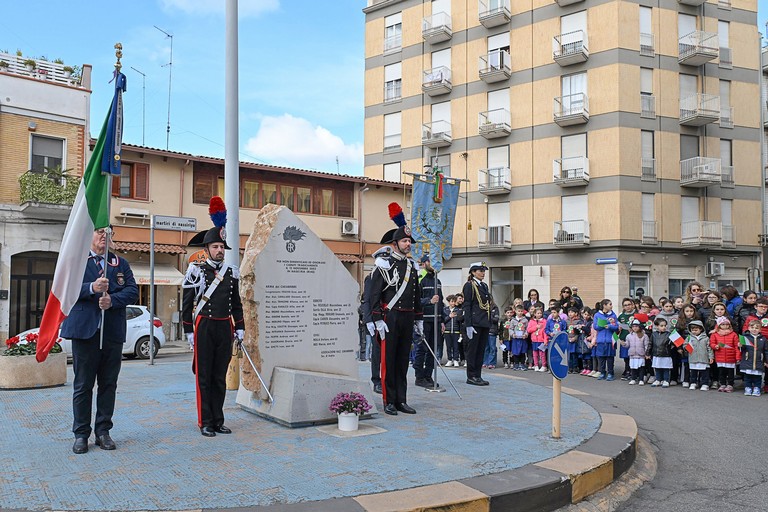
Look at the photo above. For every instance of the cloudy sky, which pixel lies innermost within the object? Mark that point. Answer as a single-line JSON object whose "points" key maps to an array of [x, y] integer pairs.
{"points": [[301, 71]]}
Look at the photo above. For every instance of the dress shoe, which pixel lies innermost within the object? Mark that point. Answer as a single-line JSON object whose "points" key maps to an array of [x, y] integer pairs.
{"points": [[80, 446], [105, 442], [404, 407], [484, 382], [221, 429], [390, 409], [422, 383], [377, 388], [475, 381], [208, 431]]}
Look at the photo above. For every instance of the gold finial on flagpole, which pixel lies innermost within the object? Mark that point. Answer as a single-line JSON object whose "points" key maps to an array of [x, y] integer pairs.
{"points": [[119, 55]]}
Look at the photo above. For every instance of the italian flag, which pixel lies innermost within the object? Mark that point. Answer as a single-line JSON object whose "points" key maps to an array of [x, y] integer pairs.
{"points": [[615, 339], [744, 342], [676, 339], [89, 212]]}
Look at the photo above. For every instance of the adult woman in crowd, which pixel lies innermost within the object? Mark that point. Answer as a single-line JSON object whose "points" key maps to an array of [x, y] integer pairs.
{"points": [[731, 298], [568, 300], [533, 301], [710, 298], [694, 294], [745, 310]]}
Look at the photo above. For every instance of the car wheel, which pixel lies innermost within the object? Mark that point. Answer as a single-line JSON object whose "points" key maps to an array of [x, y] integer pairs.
{"points": [[142, 348]]}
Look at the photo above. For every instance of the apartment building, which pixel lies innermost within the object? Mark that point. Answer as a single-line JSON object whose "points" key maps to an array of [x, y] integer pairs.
{"points": [[608, 145]]}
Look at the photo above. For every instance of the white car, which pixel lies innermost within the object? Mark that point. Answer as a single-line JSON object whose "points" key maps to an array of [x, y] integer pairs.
{"points": [[136, 334]]}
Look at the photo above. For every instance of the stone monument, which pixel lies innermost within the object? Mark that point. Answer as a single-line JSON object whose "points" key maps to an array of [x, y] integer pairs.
{"points": [[300, 308]]}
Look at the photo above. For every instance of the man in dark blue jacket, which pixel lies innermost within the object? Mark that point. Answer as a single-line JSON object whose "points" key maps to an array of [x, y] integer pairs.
{"points": [[110, 288], [431, 301]]}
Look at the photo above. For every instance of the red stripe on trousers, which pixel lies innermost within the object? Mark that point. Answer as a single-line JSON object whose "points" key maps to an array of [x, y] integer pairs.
{"points": [[197, 379], [383, 370]]}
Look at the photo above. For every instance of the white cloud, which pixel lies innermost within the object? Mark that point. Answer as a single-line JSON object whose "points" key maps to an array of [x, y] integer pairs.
{"points": [[246, 8], [295, 142]]}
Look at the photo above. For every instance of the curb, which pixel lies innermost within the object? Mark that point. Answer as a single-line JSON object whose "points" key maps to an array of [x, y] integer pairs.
{"points": [[541, 487]]}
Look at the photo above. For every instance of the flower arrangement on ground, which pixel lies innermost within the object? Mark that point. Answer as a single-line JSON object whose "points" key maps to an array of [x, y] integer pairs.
{"points": [[351, 402], [26, 346]]}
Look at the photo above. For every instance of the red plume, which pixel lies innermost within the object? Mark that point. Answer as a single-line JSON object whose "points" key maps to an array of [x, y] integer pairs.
{"points": [[218, 211], [396, 214]]}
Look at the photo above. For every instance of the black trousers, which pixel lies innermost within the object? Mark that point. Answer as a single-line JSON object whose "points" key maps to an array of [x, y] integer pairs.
{"points": [[424, 361], [395, 350], [213, 351], [93, 365], [475, 351], [376, 359]]}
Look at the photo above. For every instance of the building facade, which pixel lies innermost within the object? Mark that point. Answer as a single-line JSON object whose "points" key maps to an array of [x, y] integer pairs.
{"points": [[608, 145]]}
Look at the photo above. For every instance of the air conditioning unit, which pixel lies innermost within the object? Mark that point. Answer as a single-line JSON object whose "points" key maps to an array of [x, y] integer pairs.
{"points": [[349, 227], [715, 268]]}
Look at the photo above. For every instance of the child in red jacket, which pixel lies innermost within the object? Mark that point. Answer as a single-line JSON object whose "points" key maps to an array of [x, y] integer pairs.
{"points": [[725, 344]]}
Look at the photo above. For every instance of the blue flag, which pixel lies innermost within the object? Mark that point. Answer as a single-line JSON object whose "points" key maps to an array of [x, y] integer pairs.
{"points": [[113, 143], [432, 222]]}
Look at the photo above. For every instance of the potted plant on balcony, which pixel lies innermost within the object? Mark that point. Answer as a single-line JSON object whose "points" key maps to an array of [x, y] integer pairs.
{"points": [[30, 64], [3, 65], [68, 70], [349, 407], [19, 368]]}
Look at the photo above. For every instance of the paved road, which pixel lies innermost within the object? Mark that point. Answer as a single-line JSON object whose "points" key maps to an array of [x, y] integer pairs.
{"points": [[711, 448]]}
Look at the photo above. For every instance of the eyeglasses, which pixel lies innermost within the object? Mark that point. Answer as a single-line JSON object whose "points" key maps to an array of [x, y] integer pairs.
{"points": [[103, 231], [694, 290]]}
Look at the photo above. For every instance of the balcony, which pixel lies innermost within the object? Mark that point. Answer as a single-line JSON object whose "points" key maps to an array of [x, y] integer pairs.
{"points": [[436, 134], [436, 28], [726, 176], [495, 66], [571, 232], [494, 123], [647, 106], [493, 13], [563, 3], [647, 45], [726, 117], [694, 3], [49, 194], [724, 4], [648, 169], [437, 81], [700, 172], [570, 48], [494, 237], [42, 70], [698, 48], [701, 233], [649, 233], [726, 58], [571, 172], [764, 59], [494, 181], [699, 109], [729, 237], [571, 109]]}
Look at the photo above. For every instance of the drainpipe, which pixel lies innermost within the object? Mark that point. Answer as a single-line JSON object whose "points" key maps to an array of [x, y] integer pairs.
{"points": [[759, 257]]}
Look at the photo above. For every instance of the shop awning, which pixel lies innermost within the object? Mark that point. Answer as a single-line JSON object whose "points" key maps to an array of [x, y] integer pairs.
{"points": [[142, 247], [349, 258], [164, 274]]}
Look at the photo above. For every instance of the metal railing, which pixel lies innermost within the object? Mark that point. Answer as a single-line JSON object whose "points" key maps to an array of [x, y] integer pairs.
{"points": [[436, 130], [393, 90], [648, 169], [496, 60], [726, 58], [573, 169], [492, 237], [393, 42], [498, 118], [726, 117], [486, 8], [700, 169], [699, 105], [647, 45], [571, 105], [649, 232], [726, 176], [648, 106], [569, 44], [698, 42], [729, 237], [42, 70], [438, 22], [494, 179], [701, 232], [441, 75], [571, 232]]}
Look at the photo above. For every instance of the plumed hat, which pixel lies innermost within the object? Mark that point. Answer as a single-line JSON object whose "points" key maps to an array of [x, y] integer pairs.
{"points": [[218, 233], [401, 231]]}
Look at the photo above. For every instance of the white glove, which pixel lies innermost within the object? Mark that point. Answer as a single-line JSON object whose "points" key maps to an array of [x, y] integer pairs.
{"points": [[240, 334], [419, 327], [470, 332], [191, 339], [381, 327], [371, 328]]}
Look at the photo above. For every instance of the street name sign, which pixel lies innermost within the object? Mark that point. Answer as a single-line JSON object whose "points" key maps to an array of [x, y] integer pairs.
{"points": [[174, 223]]}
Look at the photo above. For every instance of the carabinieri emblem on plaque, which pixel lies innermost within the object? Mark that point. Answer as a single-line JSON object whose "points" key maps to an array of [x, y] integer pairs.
{"points": [[291, 235]]}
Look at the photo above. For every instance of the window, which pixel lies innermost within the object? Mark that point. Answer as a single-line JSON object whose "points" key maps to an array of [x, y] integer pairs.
{"points": [[723, 33], [441, 58], [689, 147], [392, 172], [677, 286], [689, 209], [573, 145], [393, 32], [498, 214], [726, 213], [498, 107], [441, 112], [647, 208], [205, 186], [268, 194], [393, 82], [647, 44], [574, 208], [498, 157], [303, 200], [688, 87], [46, 152], [133, 182], [392, 131], [647, 155], [685, 25], [443, 162], [441, 6], [326, 202], [498, 51], [726, 114], [574, 91], [638, 280], [726, 152], [646, 81], [573, 33], [287, 196]]}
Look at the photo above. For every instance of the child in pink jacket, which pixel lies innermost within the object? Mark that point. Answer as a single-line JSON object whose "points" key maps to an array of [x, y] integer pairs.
{"points": [[538, 337]]}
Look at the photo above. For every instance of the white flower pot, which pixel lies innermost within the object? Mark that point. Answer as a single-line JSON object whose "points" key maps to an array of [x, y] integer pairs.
{"points": [[348, 421]]}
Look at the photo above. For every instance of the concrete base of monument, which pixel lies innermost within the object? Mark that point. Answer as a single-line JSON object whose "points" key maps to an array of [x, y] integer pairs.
{"points": [[302, 397]]}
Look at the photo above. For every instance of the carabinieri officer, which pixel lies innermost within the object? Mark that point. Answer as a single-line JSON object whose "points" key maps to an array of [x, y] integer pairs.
{"points": [[477, 321]]}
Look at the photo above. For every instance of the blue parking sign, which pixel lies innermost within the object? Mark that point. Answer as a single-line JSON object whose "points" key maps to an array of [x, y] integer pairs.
{"points": [[558, 356]]}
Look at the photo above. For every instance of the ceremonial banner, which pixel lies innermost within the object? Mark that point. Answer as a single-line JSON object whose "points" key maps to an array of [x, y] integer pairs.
{"points": [[434, 213]]}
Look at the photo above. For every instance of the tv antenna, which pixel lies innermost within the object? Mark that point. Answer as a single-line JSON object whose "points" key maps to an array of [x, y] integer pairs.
{"points": [[143, 103], [170, 75]]}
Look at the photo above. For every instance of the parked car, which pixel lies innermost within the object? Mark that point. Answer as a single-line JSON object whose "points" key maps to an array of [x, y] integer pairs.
{"points": [[136, 334]]}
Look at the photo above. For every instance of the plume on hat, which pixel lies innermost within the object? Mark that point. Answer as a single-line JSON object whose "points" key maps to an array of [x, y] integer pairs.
{"points": [[396, 214], [218, 212]]}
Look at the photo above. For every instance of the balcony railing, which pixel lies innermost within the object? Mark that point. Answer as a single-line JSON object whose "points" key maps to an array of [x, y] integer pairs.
{"points": [[699, 109], [726, 58], [495, 66], [495, 237], [648, 169], [724, 4], [647, 45], [571, 232], [495, 180], [493, 13], [49, 187], [729, 237], [436, 28], [571, 109], [698, 48], [42, 70], [571, 172], [393, 43], [649, 232], [726, 117], [494, 123], [570, 48], [393, 91], [648, 106], [563, 3], [701, 233], [436, 134], [700, 172], [437, 81], [727, 179]]}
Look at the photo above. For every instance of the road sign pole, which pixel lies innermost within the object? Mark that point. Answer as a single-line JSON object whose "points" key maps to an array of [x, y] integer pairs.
{"points": [[556, 407]]}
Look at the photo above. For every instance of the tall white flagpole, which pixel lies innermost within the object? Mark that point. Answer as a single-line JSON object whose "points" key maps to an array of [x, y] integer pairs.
{"points": [[231, 137]]}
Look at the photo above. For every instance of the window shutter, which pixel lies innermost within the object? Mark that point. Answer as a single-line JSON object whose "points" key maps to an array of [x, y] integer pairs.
{"points": [[141, 181], [115, 186], [203, 189], [689, 146], [646, 80], [498, 157], [441, 58], [343, 203], [685, 24]]}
